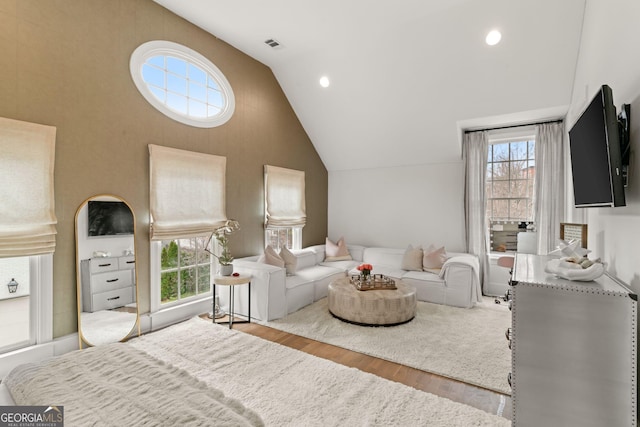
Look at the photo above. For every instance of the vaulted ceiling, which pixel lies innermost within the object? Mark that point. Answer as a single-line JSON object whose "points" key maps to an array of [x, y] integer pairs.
{"points": [[405, 75]]}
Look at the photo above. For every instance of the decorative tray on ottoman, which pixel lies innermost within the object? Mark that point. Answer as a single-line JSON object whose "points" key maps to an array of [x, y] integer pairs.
{"points": [[373, 282]]}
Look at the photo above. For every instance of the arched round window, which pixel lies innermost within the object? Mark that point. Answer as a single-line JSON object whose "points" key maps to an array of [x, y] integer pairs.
{"points": [[182, 84]]}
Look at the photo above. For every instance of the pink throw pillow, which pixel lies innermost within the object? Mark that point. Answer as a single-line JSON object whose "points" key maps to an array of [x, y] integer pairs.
{"points": [[289, 259], [271, 257], [434, 258], [412, 259], [336, 251]]}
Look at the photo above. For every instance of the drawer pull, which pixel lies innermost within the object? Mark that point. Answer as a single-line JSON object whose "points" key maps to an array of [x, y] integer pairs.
{"points": [[113, 298], [509, 379], [507, 334], [104, 265], [131, 262], [112, 280]]}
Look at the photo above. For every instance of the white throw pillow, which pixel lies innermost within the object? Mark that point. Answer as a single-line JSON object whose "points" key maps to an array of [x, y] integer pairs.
{"points": [[290, 260], [412, 259], [271, 257], [433, 258], [336, 251]]}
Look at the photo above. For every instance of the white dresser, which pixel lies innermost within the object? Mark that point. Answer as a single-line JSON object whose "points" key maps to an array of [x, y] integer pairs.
{"points": [[574, 349], [107, 283]]}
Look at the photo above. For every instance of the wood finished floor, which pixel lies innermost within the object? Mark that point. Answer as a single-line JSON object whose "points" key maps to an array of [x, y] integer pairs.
{"points": [[487, 400]]}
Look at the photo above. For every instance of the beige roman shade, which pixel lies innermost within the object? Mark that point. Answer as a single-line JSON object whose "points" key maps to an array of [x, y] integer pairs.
{"points": [[27, 206], [187, 193], [284, 197]]}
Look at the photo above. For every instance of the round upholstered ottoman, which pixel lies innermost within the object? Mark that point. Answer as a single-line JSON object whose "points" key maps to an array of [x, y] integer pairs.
{"points": [[384, 307]]}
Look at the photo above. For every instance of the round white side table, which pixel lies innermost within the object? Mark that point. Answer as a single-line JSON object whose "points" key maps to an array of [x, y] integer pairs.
{"points": [[232, 282]]}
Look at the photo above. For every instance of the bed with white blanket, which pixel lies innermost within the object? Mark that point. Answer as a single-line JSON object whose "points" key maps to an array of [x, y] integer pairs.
{"points": [[196, 373]]}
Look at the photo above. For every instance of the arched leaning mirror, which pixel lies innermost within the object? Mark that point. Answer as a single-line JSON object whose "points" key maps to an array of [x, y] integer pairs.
{"points": [[106, 271]]}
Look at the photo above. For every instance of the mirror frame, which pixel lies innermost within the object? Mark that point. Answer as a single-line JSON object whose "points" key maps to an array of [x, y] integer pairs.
{"points": [[82, 341]]}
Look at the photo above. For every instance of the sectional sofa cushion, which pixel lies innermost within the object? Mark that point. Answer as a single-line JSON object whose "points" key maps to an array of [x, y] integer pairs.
{"points": [[304, 259], [275, 293]]}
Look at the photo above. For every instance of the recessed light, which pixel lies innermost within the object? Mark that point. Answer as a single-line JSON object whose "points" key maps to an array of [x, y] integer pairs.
{"points": [[324, 81], [493, 38]]}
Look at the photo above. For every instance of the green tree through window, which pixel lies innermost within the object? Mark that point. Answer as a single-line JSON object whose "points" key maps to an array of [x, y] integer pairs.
{"points": [[185, 269], [510, 181]]}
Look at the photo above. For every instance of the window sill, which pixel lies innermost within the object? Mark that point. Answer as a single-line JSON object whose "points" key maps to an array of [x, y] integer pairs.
{"points": [[176, 313]]}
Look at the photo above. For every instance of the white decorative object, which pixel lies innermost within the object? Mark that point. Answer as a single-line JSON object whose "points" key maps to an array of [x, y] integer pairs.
{"points": [[573, 271], [569, 249], [218, 312]]}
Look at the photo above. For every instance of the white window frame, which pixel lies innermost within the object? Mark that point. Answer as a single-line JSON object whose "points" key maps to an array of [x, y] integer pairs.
{"points": [[296, 237], [40, 303], [167, 48], [505, 138], [156, 276]]}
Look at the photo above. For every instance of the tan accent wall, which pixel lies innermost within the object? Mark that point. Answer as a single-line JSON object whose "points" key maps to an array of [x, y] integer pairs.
{"points": [[66, 64]]}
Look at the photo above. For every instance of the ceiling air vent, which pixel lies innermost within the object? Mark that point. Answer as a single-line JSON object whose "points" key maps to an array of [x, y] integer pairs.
{"points": [[273, 43]]}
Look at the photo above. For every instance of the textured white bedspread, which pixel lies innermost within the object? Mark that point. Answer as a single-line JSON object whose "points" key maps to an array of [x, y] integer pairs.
{"points": [[119, 385], [290, 388]]}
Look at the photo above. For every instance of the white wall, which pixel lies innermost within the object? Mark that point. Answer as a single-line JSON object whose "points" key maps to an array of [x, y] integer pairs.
{"points": [[398, 206], [609, 55]]}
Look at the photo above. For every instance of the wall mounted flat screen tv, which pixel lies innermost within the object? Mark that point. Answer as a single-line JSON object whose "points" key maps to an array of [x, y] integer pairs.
{"points": [[598, 141], [109, 218]]}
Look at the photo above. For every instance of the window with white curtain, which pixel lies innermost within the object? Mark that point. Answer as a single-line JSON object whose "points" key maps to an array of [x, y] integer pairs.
{"points": [[27, 233], [27, 224], [510, 180], [510, 186], [285, 207], [187, 203]]}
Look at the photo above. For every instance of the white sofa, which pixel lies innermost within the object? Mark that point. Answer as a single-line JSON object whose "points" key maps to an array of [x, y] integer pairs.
{"points": [[274, 294]]}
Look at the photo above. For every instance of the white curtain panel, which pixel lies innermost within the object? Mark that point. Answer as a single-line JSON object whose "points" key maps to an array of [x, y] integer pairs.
{"points": [[549, 184], [475, 150], [284, 191], [187, 193], [27, 206]]}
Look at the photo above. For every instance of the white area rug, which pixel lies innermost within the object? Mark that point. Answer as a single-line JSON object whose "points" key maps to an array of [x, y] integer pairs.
{"points": [[464, 344], [287, 387], [106, 326]]}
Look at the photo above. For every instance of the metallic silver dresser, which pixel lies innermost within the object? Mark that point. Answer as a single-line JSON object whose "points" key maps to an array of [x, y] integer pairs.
{"points": [[574, 349]]}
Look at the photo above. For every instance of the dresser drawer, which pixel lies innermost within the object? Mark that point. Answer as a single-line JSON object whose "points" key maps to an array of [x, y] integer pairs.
{"points": [[110, 280], [127, 262], [98, 265], [112, 299]]}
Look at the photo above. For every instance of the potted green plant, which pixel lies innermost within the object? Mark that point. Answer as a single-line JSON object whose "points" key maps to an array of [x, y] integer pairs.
{"points": [[224, 259]]}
